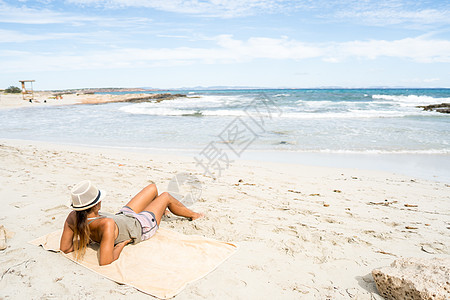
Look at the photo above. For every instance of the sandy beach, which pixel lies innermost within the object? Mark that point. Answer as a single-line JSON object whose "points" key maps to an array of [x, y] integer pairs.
{"points": [[303, 232], [312, 136], [45, 98], [16, 100]]}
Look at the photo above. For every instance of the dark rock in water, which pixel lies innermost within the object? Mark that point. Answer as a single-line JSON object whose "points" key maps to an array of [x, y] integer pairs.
{"points": [[135, 98], [156, 97], [442, 108], [196, 114]]}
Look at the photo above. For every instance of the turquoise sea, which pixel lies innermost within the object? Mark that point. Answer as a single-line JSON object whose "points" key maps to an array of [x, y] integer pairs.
{"points": [[366, 128]]}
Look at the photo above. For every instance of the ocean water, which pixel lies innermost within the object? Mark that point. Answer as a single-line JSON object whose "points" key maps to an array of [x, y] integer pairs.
{"points": [[368, 123]]}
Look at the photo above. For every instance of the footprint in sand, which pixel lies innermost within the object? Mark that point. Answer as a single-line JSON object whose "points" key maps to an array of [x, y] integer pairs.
{"points": [[20, 204], [2, 238], [58, 208], [255, 267], [433, 248]]}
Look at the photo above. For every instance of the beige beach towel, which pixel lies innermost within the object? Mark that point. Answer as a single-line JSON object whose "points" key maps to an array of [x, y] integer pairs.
{"points": [[161, 266]]}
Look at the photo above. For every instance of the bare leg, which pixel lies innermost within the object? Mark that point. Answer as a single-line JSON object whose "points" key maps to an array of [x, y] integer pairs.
{"points": [[165, 200], [143, 198]]}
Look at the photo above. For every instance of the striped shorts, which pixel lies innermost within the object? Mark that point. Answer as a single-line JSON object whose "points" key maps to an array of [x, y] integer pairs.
{"points": [[147, 220]]}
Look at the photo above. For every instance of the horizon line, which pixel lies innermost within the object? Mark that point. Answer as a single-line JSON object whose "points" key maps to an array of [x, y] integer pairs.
{"points": [[242, 88]]}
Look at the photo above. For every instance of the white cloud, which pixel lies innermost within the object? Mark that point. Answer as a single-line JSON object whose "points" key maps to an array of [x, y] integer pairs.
{"points": [[431, 79], [11, 36], [261, 47], [391, 12], [211, 8], [421, 80], [230, 50], [388, 17], [171, 36], [372, 12], [416, 49], [26, 15]]}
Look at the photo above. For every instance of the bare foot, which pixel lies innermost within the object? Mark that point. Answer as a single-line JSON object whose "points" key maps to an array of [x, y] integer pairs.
{"points": [[197, 216], [166, 213]]}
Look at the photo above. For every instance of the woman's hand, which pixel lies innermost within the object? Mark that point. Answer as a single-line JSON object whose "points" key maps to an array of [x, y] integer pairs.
{"points": [[123, 244], [118, 248]]}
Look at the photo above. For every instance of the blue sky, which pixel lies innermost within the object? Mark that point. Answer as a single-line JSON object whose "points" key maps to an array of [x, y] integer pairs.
{"points": [[267, 43]]}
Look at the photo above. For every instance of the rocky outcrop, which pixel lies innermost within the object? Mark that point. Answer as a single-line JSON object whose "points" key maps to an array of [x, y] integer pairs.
{"points": [[442, 108], [414, 279], [136, 98]]}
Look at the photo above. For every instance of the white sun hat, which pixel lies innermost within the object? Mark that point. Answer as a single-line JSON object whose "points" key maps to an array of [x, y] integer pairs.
{"points": [[85, 195]]}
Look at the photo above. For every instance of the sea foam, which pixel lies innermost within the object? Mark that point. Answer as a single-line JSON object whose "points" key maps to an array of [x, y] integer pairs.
{"points": [[411, 100]]}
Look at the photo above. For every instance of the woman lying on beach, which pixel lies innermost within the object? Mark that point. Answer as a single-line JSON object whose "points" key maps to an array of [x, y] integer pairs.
{"points": [[135, 222]]}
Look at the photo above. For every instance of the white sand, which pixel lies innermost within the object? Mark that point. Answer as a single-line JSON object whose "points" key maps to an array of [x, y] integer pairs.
{"points": [[16, 100], [43, 98], [303, 232]]}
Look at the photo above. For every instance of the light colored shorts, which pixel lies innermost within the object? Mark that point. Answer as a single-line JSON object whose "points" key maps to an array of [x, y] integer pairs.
{"points": [[147, 220]]}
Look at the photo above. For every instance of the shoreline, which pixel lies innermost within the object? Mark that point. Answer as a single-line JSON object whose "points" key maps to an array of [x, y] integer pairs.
{"points": [[431, 166], [426, 166], [303, 232], [47, 99]]}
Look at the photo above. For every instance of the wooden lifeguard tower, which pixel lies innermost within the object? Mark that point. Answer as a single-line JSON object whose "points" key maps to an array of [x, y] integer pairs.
{"points": [[27, 94]]}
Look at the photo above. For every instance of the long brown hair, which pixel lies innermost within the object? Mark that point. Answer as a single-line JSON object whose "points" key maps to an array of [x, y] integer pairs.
{"points": [[81, 233]]}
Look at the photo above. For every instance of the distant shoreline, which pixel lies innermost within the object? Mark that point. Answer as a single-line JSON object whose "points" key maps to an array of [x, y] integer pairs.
{"points": [[219, 88], [49, 98]]}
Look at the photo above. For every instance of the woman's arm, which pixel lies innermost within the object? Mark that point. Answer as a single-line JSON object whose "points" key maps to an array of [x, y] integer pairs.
{"points": [[106, 242], [109, 252], [66, 243], [118, 248]]}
